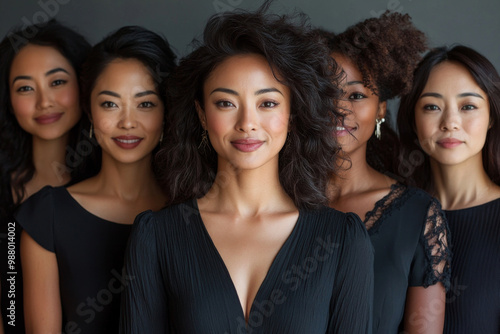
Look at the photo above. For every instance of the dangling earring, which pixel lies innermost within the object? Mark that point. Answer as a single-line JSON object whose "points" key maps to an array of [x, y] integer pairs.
{"points": [[91, 130], [378, 133], [204, 139], [161, 137]]}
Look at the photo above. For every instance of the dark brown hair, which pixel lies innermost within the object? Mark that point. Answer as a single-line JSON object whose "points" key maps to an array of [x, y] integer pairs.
{"points": [[302, 62], [487, 78]]}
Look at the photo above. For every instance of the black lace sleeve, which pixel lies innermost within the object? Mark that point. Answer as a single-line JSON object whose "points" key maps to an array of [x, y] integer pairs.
{"points": [[436, 244]]}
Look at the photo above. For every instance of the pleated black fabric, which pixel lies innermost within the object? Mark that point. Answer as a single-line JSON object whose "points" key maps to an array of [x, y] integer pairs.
{"points": [[321, 280], [473, 302], [89, 252]]}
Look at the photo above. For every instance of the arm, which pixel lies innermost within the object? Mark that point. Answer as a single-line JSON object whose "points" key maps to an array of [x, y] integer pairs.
{"points": [[424, 312], [351, 310], [42, 302], [426, 296], [144, 301]]}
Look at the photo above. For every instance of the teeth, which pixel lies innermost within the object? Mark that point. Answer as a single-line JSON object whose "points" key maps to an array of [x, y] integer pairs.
{"points": [[340, 128], [127, 141]]}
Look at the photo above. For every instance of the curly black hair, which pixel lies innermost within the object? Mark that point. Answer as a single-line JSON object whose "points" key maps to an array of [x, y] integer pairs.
{"points": [[417, 165], [386, 51], [17, 166], [301, 61]]}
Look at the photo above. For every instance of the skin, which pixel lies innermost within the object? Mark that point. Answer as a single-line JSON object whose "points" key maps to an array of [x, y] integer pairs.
{"points": [[246, 212], [43, 83], [453, 106], [124, 187], [358, 189]]}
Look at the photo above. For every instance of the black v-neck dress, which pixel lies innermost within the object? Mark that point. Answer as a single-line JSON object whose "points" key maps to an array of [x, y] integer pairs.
{"points": [[321, 280]]}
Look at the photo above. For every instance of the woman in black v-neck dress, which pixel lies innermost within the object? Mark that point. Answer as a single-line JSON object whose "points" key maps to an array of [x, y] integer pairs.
{"points": [[247, 245]]}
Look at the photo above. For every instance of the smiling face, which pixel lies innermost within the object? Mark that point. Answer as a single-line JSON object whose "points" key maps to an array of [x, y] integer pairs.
{"points": [[127, 112], [452, 115], [363, 106], [44, 92], [245, 112]]}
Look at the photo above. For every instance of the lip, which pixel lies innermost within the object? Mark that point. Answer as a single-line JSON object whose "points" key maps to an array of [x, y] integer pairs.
{"points": [[48, 118], [449, 142], [341, 131], [127, 142], [247, 145]]}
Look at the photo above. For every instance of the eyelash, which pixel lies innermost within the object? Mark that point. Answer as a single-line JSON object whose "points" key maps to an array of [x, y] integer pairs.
{"points": [[360, 96], [433, 107], [58, 82], [24, 89], [108, 104], [147, 104], [228, 104]]}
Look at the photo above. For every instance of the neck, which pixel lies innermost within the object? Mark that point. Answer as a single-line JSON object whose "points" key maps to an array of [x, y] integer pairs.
{"points": [[248, 192], [49, 159], [462, 185], [355, 176], [126, 181]]}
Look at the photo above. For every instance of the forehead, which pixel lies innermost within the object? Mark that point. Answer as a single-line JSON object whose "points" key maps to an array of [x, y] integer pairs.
{"points": [[245, 69], [125, 74], [451, 75], [36, 58]]}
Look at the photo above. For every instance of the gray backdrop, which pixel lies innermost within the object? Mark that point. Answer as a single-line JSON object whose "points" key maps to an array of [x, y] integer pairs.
{"points": [[473, 23]]}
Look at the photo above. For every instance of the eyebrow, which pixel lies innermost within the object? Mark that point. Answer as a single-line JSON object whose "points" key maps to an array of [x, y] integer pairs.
{"points": [[140, 94], [259, 92], [439, 96], [27, 77]]}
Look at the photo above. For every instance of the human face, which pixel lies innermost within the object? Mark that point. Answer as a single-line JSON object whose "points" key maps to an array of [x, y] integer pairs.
{"points": [[44, 92], [127, 112], [246, 111], [362, 106], [452, 115]]}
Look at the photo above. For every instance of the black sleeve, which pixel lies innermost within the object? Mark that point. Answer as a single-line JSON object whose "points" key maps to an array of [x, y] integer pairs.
{"points": [[36, 217], [144, 302], [352, 300]]}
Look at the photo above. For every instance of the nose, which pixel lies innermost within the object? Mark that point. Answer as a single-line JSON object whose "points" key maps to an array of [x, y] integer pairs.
{"points": [[450, 120], [247, 119], [127, 118], [44, 99]]}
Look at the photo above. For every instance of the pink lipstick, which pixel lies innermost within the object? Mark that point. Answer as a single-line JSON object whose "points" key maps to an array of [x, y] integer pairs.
{"points": [[247, 145], [48, 118], [127, 142], [449, 142]]}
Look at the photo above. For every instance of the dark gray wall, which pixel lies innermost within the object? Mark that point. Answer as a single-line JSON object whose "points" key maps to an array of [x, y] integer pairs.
{"points": [[475, 24]]}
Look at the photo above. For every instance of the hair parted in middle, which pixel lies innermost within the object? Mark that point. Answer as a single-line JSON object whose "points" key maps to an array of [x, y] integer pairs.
{"points": [[300, 60], [386, 50]]}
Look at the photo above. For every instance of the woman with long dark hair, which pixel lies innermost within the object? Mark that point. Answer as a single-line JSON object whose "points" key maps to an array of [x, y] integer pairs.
{"points": [[247, 244], [451, 118], [406, 225], [74, 238], [40, 133]]}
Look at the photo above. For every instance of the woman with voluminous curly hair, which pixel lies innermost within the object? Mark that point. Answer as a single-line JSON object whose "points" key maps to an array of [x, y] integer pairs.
{"points": [[406, 226], [247, 244]]}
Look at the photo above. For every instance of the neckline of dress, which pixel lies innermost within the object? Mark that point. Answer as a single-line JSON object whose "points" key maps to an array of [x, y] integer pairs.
{"points": [[274, 263]]}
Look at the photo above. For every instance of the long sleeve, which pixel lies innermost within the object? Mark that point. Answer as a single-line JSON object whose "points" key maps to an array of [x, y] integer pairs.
{"points": [[352, 300], [144, 302]]}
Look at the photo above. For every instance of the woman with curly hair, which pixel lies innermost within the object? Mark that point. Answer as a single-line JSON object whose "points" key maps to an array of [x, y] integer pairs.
{"points": [[40, 134], [406, 226], [452, 113], [74, 238], [247, 245]]}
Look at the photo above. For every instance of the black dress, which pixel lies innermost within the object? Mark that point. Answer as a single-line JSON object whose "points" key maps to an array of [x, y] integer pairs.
{"points": [[89, 252], [321, 280], [473, 302], [410, 237], [11, 274]]}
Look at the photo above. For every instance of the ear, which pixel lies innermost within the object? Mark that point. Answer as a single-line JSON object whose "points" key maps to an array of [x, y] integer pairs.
{"points": [[382, 109], [201, 114]]}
